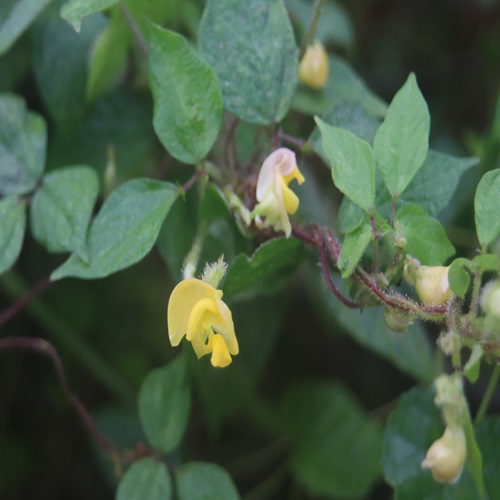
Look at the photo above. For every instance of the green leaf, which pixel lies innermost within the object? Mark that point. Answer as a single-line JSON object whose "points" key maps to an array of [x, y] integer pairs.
{"points": [[13, 217], [459, 277], [204, 481], [252, 49], [23, 143], [75, 10], [471, 368], [124, 230], [335, 446], [436, 181], [353, 248], [109, 57], [62, 207], [488, 438], [353, 165], [187, 96], [270, 265], [474, 459], [402, 141], [486, 262], [17, 20], [343, 85], [426, 239], [164, 405], [486, 204], [62, 86], [145, 478]]}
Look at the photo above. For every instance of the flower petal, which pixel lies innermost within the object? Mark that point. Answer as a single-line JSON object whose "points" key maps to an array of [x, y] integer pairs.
{"points": [[282, 162], [225, 326], [290, 199], [220, 353], [201, 315]]}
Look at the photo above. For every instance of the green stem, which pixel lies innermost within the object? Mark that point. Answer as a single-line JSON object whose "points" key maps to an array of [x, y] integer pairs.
{"points": [[474, 301], [318, 5], [492, 384], [13, 287]]}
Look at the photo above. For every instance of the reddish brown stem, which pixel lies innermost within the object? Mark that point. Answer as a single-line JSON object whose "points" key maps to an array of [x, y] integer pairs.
{"points": [[192, 180], [24, 301]]}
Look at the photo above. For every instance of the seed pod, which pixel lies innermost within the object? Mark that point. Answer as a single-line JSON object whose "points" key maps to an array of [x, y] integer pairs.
{"points": [[313, 67]]}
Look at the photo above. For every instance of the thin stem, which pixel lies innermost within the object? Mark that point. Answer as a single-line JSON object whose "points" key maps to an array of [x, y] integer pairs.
{"points": [[13, 287], [192, 180], [136, 30], [375, 244], [18, 306], [393, 213], [46, 348], [296, 141], [476, 285], [318, 5], [230, 147], [490, 390]]}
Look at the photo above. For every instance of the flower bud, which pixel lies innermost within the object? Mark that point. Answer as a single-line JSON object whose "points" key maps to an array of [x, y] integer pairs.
{"points": [[446, 456], [430, 282], [313, 67], [490, 299]]}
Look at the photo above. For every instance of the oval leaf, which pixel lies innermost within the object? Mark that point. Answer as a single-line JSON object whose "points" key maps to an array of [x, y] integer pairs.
{"points": [[76, 10], [252, 49], [61, 209], [187, 96], [353, 164], [459, 277], [486, 204], [13, 217], [146, 478], [402, 141], [124, 230], [353, 247], [203, 481], [164, 404]]}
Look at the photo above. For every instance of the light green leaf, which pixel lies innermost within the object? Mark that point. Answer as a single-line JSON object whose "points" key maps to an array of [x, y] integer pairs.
{"points": [[124, 230], [459, 277], [145, 479], [353, 165], [270, 265], [75, 10], [343, 86], [62, 207], [486, 206], [164, 404], [108, 57], [23, 143], [474, 459], [187, 96], [436, 181], [471, 368], [488, 438], [17, 20], [426, 239], [252, 49], [402, 141], [13, 217], [204, 481], [335, 446], [353, 248]]}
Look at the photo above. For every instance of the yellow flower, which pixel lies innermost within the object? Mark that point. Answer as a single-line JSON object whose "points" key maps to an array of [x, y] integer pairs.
{"points": [[275, 199], [313, 67], [430, 282], [195, 309]]}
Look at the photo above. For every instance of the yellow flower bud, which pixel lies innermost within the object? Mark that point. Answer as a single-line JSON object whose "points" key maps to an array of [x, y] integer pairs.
{"points": [[313, 67], [446, 456], [195, 309], [275, 199], [430, 282]]}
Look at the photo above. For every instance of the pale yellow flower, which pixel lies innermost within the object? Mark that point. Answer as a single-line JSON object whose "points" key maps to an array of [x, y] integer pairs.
{"points": [[313, 67], [195, 309], [430, 282], [275, 199]]}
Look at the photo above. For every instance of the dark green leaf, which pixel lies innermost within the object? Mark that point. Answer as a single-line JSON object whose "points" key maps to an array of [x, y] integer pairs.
{"points": [[436, 181], [251, 47], [271, 263], [204, 481], [21, 14], [335, 446], [352, 162], [108, 57], [23, 142], [62, 207], [164, 404], [13, 217], [459, 277], [75, 10], [124, 230], [145, 479], [353, 248], [402, 141], [187, 96], [426, 239], [343, 85], [486, 204]]}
